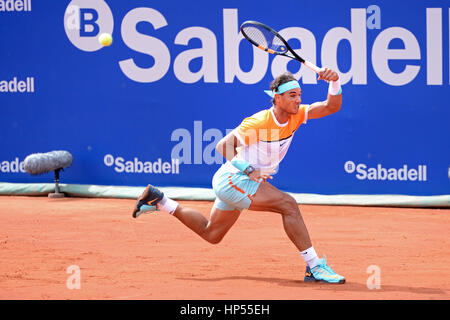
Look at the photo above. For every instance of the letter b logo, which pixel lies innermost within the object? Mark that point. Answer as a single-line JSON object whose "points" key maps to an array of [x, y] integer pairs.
{"points": [[85, 20], [349, 167]]}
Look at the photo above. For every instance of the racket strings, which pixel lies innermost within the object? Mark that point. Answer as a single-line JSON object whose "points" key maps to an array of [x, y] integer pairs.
{"points": [[264, 37]]}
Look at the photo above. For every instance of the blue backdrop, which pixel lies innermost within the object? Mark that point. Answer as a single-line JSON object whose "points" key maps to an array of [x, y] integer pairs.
{"points": [[151, 107]]}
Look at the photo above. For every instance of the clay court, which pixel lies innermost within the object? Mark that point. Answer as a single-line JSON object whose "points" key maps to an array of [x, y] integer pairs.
{"points": [[156, 257]]}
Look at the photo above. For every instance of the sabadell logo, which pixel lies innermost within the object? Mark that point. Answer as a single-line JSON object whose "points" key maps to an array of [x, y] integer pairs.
{"points": [[378, 172], [84, 20]]}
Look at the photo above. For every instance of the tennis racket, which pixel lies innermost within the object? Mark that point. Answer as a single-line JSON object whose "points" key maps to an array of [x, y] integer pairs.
{"points": [[267, 39]]}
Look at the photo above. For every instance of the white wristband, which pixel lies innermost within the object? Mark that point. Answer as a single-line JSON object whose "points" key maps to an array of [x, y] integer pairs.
{"points": [[335, 88]]}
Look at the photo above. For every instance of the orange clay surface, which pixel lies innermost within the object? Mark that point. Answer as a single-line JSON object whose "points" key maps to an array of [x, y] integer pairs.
{"points": [[156, 257]]}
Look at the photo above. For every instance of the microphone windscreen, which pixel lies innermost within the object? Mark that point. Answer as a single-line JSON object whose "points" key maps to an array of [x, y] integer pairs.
{"points": [[39, 163]]}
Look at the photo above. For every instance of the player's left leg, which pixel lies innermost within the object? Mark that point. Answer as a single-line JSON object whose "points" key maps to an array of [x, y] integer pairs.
{"points": [[269, 198]]}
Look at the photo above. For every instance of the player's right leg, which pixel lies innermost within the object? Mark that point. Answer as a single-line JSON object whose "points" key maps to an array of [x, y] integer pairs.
{"points": [[147, 200], [212, 230], [222, 216]]}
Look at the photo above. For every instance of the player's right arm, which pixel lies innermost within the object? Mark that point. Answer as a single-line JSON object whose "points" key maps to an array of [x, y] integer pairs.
{"points": [[229, 146]]}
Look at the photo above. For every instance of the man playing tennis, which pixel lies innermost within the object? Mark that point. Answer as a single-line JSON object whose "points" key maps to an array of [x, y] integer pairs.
{"points": [[253, 152]]}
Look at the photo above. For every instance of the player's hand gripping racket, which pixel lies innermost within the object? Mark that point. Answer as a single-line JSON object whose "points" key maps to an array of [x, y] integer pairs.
{"points": [[271, 41]]}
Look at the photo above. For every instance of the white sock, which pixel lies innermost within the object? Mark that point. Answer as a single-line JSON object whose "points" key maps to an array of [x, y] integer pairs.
{"points": [[167, 204], [310, 257]]}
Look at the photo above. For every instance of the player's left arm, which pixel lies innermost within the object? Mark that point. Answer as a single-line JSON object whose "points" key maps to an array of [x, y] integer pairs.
{"points": [[333, 103]]}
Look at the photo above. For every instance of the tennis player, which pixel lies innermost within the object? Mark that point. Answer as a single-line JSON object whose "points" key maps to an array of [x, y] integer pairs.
{"points": [[253, 152]]}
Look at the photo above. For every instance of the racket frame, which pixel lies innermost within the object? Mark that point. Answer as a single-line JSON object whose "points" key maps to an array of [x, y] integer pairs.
{"points": [[288, 47]]}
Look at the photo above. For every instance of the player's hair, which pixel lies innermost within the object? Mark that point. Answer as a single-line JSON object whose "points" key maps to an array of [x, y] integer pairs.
{"points": [[278, 81]]}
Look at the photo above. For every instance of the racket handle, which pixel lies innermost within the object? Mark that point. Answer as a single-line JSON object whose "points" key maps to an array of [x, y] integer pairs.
{"points": [[313, 67]]}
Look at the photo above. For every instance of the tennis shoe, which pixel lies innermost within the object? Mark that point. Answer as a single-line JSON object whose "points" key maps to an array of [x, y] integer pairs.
{"points": [[322, 273], [146, 203]]}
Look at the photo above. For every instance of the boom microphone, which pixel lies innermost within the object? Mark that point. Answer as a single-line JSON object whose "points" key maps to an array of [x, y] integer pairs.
{"points": [[40, 163]]}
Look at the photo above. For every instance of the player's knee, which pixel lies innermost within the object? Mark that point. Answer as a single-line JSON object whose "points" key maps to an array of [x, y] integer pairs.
{"points": [[213, 238], [289, 205]]}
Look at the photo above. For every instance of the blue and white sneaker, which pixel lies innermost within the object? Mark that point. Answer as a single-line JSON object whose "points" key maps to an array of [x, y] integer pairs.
{"points": [[322, 273], [147, 201]]}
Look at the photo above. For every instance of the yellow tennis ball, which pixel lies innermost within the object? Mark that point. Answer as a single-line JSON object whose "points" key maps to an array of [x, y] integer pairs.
{"points": [[105, 39]]}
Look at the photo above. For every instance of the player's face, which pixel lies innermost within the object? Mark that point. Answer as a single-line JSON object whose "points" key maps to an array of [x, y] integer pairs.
{"points": [[290, 101]]}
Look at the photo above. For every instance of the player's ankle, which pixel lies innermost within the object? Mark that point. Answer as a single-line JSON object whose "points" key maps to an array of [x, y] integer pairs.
{"points": [[310, 257], [168, 205]]}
